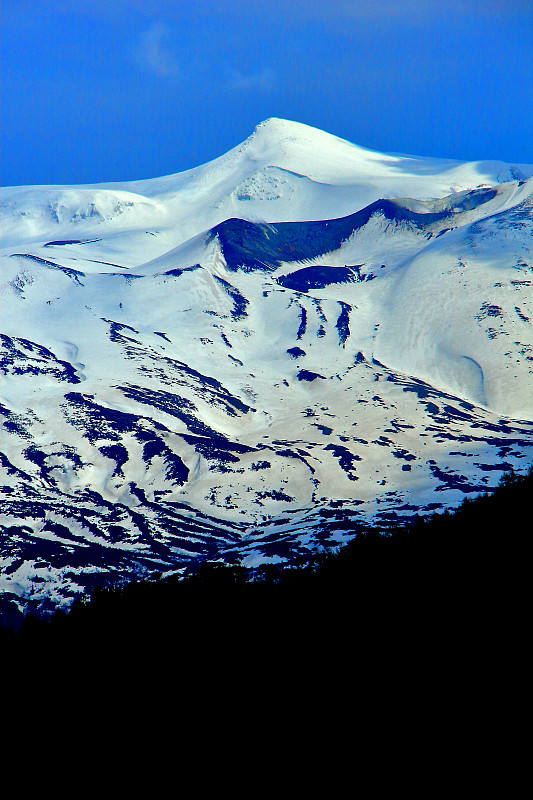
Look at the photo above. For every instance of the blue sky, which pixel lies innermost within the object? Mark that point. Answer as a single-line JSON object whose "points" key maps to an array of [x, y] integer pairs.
{"points": [[105, 91]]}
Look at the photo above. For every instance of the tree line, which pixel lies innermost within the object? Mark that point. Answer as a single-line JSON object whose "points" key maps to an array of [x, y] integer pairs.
{"points": [[453, 576]]}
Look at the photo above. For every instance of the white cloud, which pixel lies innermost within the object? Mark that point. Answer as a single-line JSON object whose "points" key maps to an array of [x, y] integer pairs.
{"points": [[154, 54], [263, 80]]}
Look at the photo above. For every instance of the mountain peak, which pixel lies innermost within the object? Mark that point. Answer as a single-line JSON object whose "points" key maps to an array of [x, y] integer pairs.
{"points": [[277, 126], [309, 151], [282, 131]]}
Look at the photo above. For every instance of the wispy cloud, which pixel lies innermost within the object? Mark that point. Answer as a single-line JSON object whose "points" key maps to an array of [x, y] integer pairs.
{"points": [[154, 53], [263, 80]]}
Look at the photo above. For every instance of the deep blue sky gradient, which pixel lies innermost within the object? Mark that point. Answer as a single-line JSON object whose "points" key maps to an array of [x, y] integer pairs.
{"points": [[107, 91]]}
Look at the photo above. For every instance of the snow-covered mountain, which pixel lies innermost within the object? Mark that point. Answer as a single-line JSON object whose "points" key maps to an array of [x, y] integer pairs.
{"points": [[242, 360]]}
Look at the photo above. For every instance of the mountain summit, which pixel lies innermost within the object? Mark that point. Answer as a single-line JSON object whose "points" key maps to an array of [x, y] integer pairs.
{"points": [[236, 361]]}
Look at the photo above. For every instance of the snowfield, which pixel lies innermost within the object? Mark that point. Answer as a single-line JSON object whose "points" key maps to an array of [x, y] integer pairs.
{"points": [[244, 360]]}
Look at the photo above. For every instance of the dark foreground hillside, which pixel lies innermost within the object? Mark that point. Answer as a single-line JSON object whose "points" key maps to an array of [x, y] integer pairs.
{"points": [[447, 584]]}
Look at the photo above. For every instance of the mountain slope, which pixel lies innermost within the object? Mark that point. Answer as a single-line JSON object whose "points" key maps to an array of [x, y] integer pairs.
{"points": [[208, 365]]}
